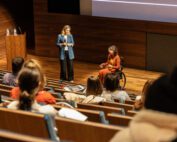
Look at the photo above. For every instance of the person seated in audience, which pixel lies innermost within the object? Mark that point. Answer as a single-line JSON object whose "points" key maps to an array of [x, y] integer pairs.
{"points": [[111, 89], [42, 96], [93, 91], [139, 101], [29, 82], [10, 78], [175, 140], [112, 64], [73, 97], [157, 121]]}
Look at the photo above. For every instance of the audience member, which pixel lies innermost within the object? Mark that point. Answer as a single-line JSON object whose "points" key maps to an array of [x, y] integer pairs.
{"points": [[157, 122], [42, 96], [139, 102], [94, 90], [10, 78], [112, 89], [29, 82]]}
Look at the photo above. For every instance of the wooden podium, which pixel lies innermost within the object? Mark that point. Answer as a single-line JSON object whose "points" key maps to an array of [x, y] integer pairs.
{"points": [[15, 47]]}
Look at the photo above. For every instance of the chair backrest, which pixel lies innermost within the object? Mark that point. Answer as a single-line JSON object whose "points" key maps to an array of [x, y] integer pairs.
{"points": [[5, 92], [0, 80], [4, 71], [6, 136], [130, 102], [126, 107], [92, 115], [84, 131], [131, 113], [7, 87], [105, 109], [24, 122], [119, 119], [1, 75]]}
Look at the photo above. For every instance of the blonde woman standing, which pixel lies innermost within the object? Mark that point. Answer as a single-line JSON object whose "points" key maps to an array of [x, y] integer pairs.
{"points": [[65, 43]]}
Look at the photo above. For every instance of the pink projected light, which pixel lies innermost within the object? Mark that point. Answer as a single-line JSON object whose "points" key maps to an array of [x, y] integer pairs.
{"points": [[142, 3], [160, 10]]}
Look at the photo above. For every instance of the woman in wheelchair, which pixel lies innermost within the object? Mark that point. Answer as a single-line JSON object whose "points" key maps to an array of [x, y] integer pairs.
{"points": [[112, 65]]}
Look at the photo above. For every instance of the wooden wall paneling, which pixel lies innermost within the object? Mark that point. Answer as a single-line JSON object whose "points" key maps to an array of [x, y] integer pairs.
{"points": [[93, 35], [6, 22]]}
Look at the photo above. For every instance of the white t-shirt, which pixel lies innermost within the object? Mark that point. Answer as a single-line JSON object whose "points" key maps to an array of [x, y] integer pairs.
{"points": [[46, 109], [118, 94], [66, 47]]}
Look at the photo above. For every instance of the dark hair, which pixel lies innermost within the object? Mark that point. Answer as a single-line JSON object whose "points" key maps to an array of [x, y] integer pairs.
{"points": [[94, 86], [114, 49], [175, 140], [146, 87], [162, 94], [111, 82], [28, 81], [17, 64]]}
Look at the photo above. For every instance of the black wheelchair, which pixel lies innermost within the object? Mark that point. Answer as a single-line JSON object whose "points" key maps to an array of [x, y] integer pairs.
{"points": [[121, 75]]}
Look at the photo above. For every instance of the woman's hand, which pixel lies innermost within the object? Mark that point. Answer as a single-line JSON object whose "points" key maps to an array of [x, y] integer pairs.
{"points": [[138, 103], [110, 66], [62, 44], [69, 44], [65, 44], [102, 65]]}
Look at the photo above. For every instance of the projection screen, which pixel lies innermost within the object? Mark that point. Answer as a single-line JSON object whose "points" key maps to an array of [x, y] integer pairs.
{"points": [[151, 10]]}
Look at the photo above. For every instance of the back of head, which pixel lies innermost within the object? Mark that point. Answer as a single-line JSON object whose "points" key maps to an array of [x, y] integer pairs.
{"points": [[33, 64], [146, 87], [28, 81], [94, 86], [17, 64], [111, 82], [162, 94]]}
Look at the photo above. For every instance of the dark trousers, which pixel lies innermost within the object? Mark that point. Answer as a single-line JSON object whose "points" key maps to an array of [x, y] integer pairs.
{"points": [[66, 68]]}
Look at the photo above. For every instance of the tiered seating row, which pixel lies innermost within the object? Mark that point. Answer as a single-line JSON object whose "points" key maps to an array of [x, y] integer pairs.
{"points": [[69, 129]]}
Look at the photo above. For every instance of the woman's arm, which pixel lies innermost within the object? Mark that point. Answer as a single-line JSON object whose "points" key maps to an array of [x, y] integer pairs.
{"points": [[117, 63], [103, 65], [72, 41], [59, 43]]}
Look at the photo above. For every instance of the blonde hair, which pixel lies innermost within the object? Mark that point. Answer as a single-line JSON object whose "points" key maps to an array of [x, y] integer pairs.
{"points": [[64, 28], [33, 64]]}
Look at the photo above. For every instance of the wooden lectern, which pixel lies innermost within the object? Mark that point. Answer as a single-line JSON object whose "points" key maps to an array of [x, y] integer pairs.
{"points": [[15, 47]]}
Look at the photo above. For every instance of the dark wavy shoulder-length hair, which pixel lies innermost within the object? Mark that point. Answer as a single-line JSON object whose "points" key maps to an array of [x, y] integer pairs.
{"points": [[111, 82], [94, 86]]}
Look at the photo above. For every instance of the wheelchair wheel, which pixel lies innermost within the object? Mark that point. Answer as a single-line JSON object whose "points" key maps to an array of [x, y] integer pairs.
{"points": [[122, 80]]}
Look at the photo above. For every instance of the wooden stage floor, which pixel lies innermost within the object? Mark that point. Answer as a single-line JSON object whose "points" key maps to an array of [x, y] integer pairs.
{"points": [[135, 78]]}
